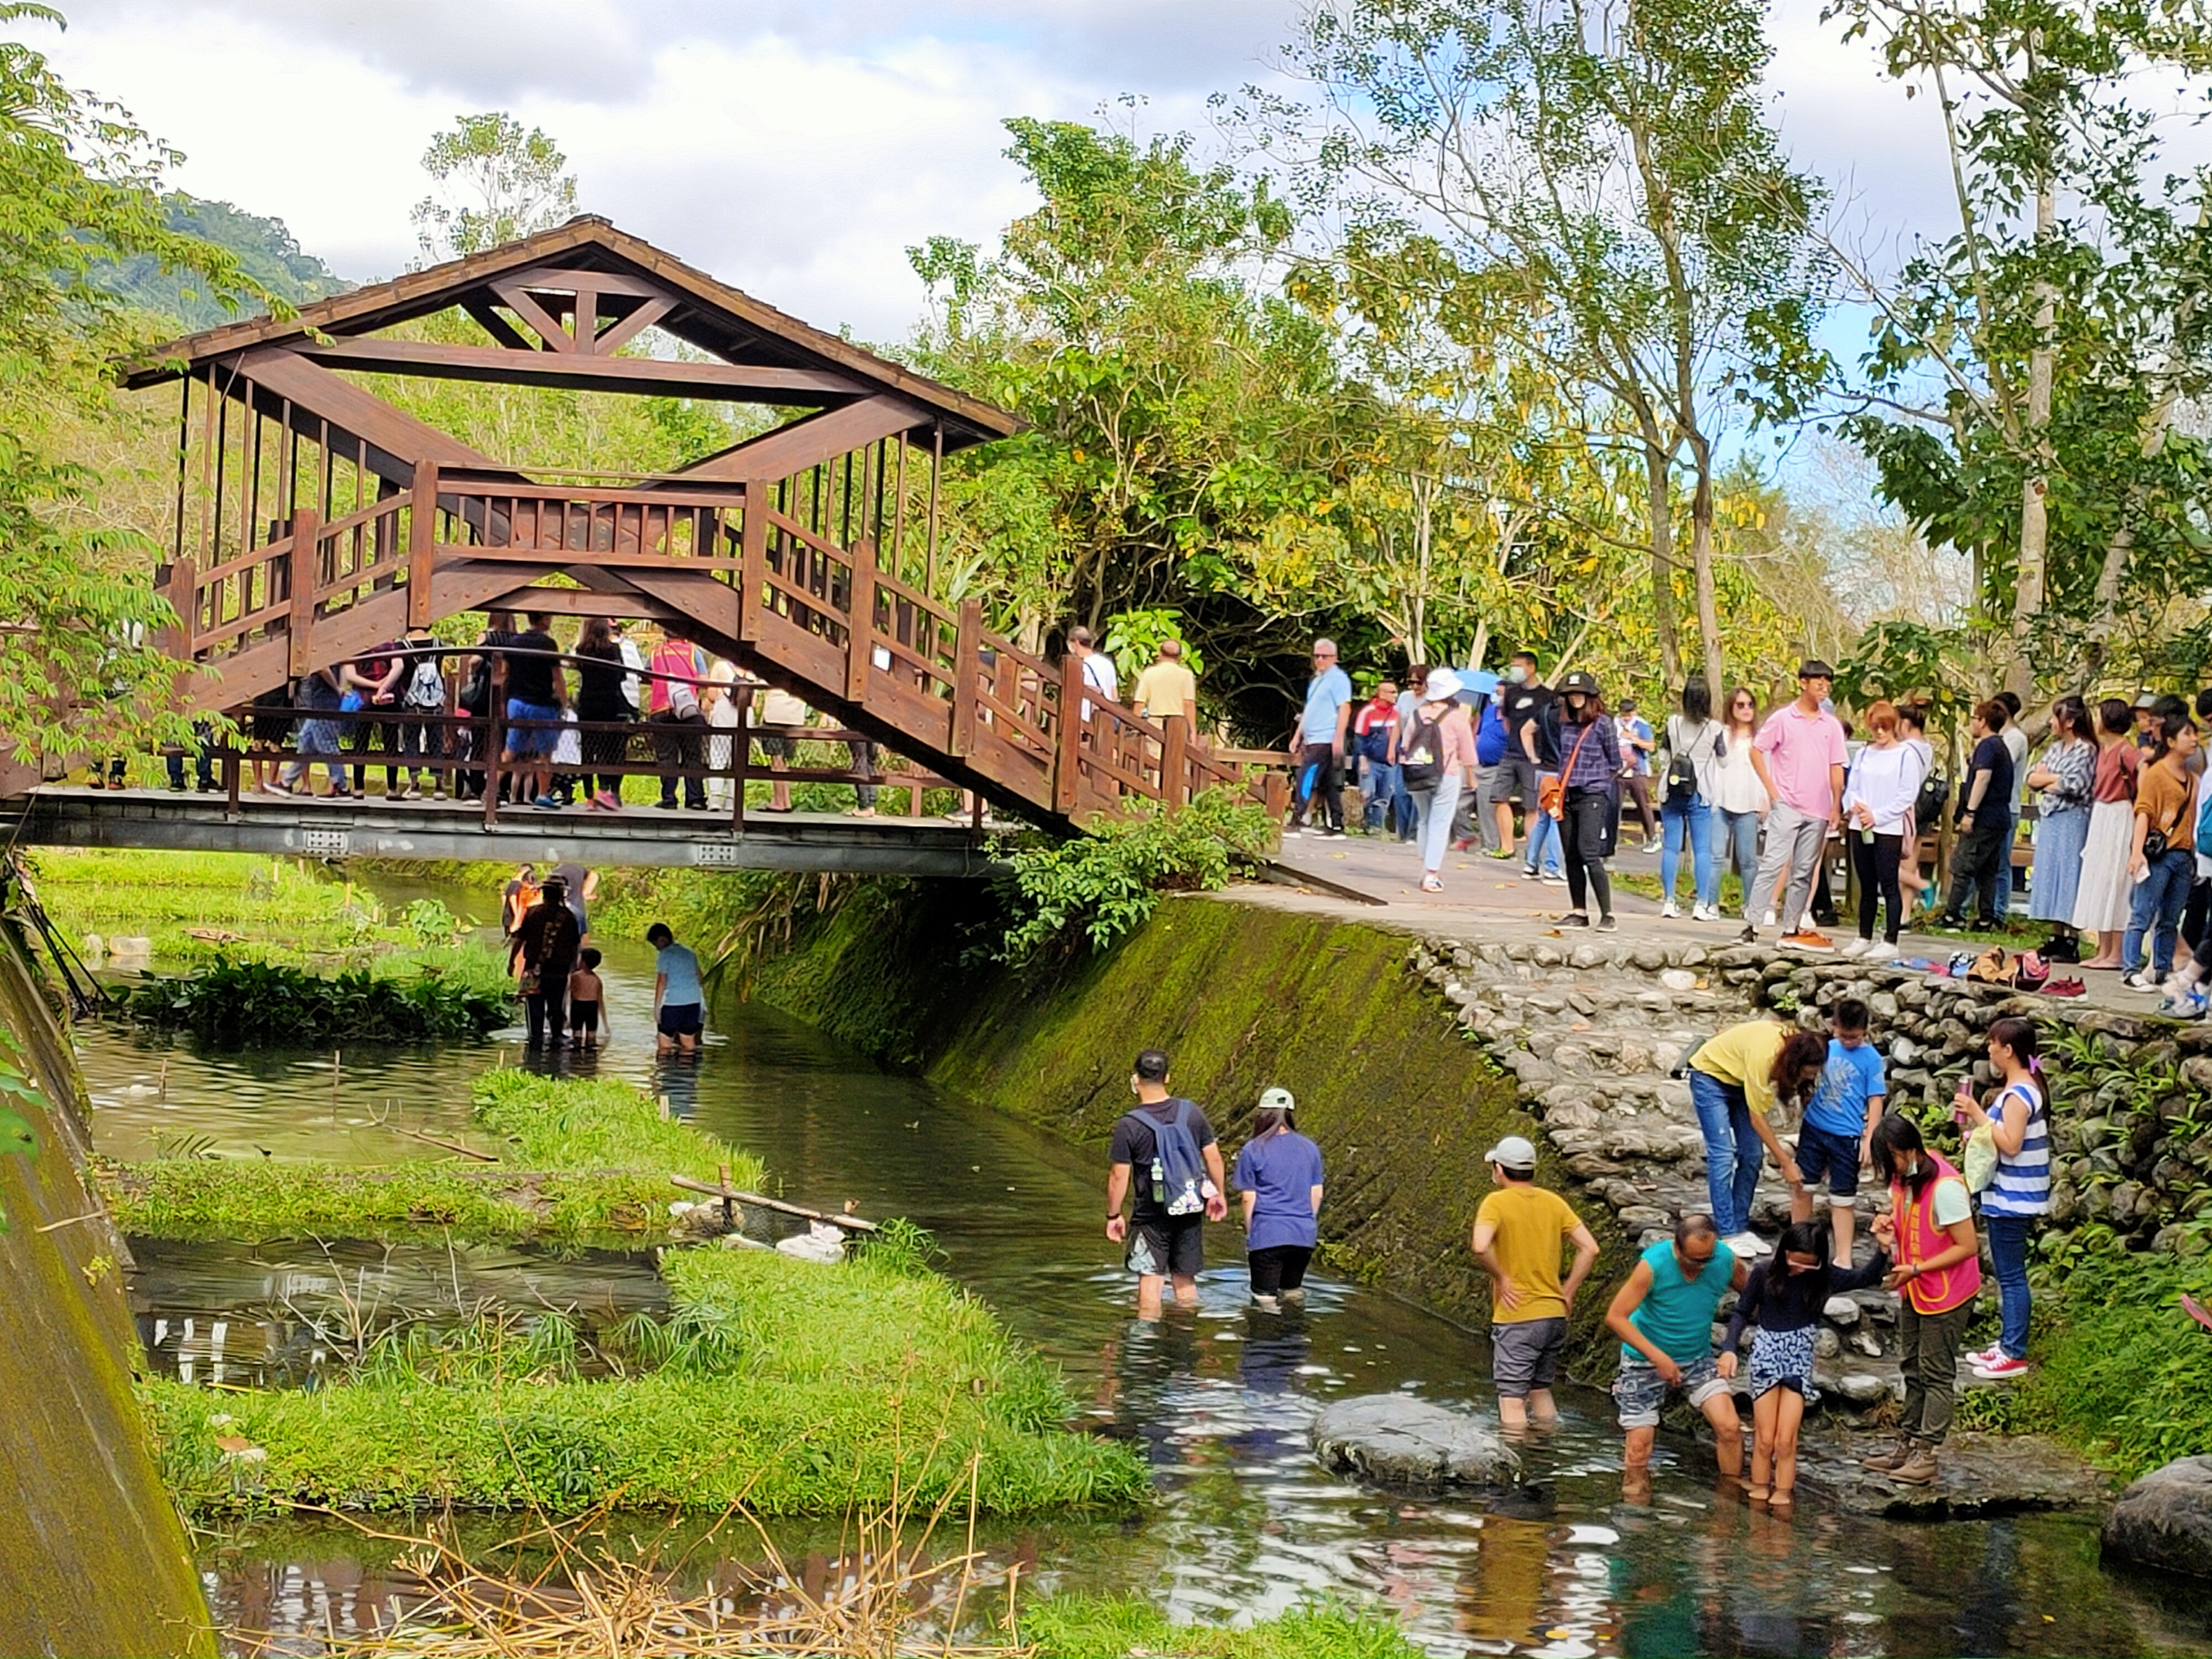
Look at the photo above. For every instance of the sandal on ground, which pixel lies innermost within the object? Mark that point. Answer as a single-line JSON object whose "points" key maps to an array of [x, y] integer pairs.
{"points": [[772, 809]]}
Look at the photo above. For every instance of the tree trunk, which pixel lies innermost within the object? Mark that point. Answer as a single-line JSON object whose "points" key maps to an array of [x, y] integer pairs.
{"points": [[1701, 565], [1660, 494], [2034, 513]]}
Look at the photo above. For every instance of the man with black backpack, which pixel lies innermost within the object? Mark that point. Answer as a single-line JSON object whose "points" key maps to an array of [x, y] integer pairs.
{"points": [[1167, 1144]]}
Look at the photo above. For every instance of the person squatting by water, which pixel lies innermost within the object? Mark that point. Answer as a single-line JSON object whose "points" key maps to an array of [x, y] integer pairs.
{"points": [[1518, 1232], [1166, 1160], [1279, 1179], [1663, 1316], [1783, 1298]]}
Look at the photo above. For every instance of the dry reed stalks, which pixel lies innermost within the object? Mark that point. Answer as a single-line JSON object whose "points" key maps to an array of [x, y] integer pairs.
{"points": [[885, 1598]]}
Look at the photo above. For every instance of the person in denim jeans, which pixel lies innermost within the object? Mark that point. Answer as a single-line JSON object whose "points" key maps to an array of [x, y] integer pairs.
{"points": [[2163, 796], [1736, 1077], [2019, 1192], [1696, 739]]}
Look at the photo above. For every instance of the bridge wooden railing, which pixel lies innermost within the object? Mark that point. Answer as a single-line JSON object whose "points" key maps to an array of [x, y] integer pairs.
{"points": [[795, 589]]}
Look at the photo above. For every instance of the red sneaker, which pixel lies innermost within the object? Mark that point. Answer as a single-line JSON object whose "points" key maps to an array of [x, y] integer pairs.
{"points": [[2001, 1369]]}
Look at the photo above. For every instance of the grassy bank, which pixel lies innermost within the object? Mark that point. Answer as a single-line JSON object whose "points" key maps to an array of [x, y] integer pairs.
{"points": [[575, 1159], [802, 1389]]}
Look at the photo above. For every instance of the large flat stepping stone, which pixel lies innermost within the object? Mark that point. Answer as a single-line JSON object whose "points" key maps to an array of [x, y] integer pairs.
{"points": [[1394, 1438], [2164, 1519], [1981, 1474]]}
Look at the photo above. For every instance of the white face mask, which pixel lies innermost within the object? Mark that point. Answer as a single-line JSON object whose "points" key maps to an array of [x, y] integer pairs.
{"points": [[1516, 675]]}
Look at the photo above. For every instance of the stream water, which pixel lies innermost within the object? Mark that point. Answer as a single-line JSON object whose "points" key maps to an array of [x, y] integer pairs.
{"points": [[1246, 1523]]}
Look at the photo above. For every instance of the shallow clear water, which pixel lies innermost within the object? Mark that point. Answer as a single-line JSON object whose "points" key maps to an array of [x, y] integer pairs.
{"points": [[1246, 1524]]}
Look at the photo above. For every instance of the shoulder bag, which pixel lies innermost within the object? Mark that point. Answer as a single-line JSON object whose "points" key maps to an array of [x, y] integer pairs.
{"points": [[1552, 792]]}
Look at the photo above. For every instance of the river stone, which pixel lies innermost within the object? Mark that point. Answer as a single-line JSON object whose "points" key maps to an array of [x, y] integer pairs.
{"points": [[1392, 1437], [1825, 1344], [2164, 1519], [1860, 1388], [1841, 1311], [1678, 979]]}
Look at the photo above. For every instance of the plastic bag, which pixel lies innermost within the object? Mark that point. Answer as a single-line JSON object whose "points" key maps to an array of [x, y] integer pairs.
{"points": [[1981, 1158]]}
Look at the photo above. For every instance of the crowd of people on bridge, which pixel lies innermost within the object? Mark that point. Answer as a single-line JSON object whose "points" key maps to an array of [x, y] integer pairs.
{"points": [[2119, 872], [1711, 1312]]}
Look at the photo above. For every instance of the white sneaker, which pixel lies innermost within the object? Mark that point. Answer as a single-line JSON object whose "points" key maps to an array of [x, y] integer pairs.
{"points": [[1768, 920], [1854, 947], [1748, 1243], [1706, 913], [1669, 910]]}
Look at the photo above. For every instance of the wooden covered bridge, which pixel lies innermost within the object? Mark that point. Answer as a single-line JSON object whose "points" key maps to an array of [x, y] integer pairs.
{"points": [[316, 520]]}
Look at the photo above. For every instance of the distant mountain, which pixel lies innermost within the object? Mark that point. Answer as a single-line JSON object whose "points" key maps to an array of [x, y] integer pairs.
{"points": [[264, 246]]}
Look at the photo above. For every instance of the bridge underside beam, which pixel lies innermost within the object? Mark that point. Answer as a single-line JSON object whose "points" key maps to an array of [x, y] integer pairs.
{"points": [[202, 824]]}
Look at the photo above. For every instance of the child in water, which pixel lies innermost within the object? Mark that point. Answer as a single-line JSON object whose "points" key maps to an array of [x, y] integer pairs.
{"points": [[1783, 1297], [587, 999]]}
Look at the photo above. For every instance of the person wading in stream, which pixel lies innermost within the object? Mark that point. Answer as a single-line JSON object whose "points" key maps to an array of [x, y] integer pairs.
{"points": [[542, 955], [678, 997], [1177, 1161], [1663, 1316], [1278, 1178], [1518, 1230]]}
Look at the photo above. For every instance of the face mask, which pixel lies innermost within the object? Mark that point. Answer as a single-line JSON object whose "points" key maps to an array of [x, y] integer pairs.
{"points": [[1516, 675]]}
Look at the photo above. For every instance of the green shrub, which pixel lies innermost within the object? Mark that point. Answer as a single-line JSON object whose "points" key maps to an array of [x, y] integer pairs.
{"points": [[1102, 885], [2122, 1371], [239, 1003]]}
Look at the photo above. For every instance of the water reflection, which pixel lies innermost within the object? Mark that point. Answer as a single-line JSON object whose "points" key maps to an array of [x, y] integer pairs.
{"points": [[1219, 1399]]}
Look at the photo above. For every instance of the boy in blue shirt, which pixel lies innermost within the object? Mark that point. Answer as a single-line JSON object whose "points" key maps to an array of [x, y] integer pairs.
{"points": [[1847, 1104]]}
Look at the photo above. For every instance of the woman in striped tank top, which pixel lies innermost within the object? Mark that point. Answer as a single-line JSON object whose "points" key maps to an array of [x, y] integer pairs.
{"points": [[2020, 1124]]}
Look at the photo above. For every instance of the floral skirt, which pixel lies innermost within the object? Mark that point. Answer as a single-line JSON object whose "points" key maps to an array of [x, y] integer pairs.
{"points": [[1783, 1359]]}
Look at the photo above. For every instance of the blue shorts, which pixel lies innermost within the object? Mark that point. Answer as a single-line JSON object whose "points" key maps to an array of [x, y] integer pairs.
{"points": [[540, 740], [678, 1019], [1824, 1156]]}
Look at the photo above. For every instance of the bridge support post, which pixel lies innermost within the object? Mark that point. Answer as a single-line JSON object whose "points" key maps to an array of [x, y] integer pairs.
{"points": [[422, 543], [305, 525], [1174, 763], [967, 676]]}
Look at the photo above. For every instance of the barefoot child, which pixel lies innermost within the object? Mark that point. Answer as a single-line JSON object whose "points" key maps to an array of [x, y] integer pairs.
{"points": [[587, 1003], [1785, 1297]]}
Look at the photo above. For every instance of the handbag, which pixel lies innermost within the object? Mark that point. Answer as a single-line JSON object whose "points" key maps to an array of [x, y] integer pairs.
{"points": [[527, 984], [1552, 792]]}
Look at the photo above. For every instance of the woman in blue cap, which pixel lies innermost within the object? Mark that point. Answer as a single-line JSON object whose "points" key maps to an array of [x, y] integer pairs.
{"points": [[1279, 1176]]}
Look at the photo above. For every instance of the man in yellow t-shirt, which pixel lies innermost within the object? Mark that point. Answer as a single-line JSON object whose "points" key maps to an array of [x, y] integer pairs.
{"points": [[1518, 1231], [1168, 687]]}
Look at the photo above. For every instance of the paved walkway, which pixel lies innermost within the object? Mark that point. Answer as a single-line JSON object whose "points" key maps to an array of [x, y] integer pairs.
{"points": [[1489, 899]]}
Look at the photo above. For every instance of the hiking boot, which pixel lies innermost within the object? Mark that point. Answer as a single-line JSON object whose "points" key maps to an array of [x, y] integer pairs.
{"points": [[1891, 1460], [1918, 1470]]}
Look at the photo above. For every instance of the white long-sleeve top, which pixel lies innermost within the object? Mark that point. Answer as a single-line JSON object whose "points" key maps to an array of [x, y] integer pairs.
{"points": [[1886, 782]]}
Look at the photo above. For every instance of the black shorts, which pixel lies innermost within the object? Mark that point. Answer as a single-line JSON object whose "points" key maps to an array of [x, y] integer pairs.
{"points": [[1168, 1244], [1278, 1267], [773, 747], [584, 1017], [680, 1019]]}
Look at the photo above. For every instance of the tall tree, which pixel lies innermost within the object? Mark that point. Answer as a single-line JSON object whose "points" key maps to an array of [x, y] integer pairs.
{"points": [[80, 185], [496, 182], [2026, 370], [1607, 164]]}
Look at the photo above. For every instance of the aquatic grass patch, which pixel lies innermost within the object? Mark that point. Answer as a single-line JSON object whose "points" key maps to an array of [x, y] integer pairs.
{"points": [[556, 1123], [234, 1002], [841, 1386], [1122, 1627], [260, 1200], [577, 1159]]}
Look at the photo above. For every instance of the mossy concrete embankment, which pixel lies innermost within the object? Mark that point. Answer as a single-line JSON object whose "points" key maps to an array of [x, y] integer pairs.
{"points": [[96, 1558], [1243, 998]]}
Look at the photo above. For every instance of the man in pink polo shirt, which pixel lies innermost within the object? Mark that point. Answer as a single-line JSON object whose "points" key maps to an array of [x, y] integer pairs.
{"points": [[1799, 757]]}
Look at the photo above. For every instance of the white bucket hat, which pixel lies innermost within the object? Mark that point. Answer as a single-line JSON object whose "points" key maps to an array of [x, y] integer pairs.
{"points": [[1444, 686]]}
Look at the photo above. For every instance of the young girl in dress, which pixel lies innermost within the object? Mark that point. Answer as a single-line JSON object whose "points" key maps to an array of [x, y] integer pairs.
{"points": [[2102, 902], [1783, 1298]]}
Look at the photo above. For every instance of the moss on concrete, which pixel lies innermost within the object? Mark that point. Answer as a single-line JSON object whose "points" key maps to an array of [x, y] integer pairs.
{"points": [[1243, 998], [97, 1561]]}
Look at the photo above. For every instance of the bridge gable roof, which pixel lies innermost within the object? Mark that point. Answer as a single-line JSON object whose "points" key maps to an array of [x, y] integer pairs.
{"points": [[690, 304]]}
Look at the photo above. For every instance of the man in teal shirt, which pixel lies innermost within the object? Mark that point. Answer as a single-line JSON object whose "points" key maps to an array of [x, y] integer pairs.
{"points": [[1317, 757], [1663, 1316]]}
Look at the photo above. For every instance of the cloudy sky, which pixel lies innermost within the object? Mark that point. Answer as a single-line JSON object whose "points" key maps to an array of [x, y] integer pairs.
{"points": [[794, 148]]}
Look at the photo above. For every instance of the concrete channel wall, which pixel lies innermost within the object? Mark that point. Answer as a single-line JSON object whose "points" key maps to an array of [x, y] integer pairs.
{"points": [[97, 1562]]}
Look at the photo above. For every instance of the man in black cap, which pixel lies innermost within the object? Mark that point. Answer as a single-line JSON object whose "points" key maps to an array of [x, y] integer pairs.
{"points": [[1799, 757]]}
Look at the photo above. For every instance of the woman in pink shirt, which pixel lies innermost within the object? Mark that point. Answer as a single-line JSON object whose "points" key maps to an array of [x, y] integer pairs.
{"points": [[1436, 753]]}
